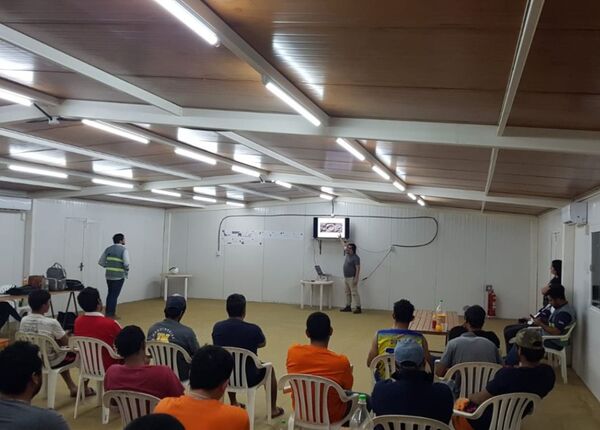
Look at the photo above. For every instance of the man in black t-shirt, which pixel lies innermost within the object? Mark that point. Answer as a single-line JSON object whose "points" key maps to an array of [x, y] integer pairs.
{"points": [[237, 333]]}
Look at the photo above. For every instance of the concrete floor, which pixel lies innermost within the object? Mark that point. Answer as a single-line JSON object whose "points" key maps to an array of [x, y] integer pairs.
{"points": [[570, 406]]}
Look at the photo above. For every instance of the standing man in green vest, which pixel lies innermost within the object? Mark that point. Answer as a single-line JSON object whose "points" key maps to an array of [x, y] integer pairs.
{"points": [[115, 259]]}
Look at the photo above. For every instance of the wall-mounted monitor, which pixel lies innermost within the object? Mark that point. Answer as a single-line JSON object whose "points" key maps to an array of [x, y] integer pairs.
{"points": [[331, 228]]}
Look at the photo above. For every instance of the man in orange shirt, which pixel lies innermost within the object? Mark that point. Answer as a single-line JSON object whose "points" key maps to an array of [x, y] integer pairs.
{"points": [[201, 408], [316, 359]]}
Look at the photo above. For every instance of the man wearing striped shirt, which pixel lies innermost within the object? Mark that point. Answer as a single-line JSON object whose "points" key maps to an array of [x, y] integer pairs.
{"points": [[115, 259]]}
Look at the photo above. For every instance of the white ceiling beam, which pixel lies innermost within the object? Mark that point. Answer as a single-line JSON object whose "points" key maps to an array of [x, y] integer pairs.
{"points": [[45, 51], [376, 162], [33, 94], [472, 135], [533, 11], [247, 53], [82, 192], [208, 181], [253, 144], [490, 176], [365, 196], [256, 193], [45, 184], [18, 113], [23, 137]]}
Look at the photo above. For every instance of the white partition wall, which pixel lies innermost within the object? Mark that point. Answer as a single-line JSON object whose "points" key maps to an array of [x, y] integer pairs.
{"points": [[471, 250], [12, 240]]}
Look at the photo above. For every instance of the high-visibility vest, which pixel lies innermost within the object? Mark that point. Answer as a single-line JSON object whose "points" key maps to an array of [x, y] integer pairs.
{"points": [[113, 262]]}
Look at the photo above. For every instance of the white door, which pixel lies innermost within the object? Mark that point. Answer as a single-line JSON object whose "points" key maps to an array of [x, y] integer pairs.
{"points": [[12, 241], [82, 250]]}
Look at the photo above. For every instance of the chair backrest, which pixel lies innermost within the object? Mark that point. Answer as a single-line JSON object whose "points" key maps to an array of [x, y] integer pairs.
{"points": [[567, 336], [166, 353], [238, 378], [384, 366], [45, 343], [508, 410], [407, 422], [90, 355], [131, 404], [472, 377], [310, 394]]}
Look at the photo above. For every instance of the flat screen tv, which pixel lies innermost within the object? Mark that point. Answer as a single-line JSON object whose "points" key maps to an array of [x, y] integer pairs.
{"points": [[331, 228]]}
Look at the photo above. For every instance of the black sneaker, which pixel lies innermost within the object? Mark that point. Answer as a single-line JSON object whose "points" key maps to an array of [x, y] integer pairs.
{"points": [[346, 309], [358, 310]]}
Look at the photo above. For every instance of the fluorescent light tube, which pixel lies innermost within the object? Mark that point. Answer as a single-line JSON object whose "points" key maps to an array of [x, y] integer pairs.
{"points": [[120, 184], [149, 199], [285, 97], [205, 199], [326, 196], [166, 193], [236, 204], [190, 19], [36, 171], [245, 171], [15, 98], [211, 191], [41, 157], [412, 196], [346, 145], [283, 184], [115, 130], [327, 190], [399, 186], [195, 156], [381, 172], [421, 202]]}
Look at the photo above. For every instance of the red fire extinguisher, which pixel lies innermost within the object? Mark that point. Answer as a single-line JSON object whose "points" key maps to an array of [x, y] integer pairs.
{"points": [[491, 301]]}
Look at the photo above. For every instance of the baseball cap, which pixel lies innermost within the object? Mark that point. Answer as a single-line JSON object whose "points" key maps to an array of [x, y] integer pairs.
{"points": [[530, 338], [409, 353], [176, 302]]}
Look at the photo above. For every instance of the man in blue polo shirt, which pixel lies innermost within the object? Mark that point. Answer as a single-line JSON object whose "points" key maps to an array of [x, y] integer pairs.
{"points": [[411, 391]]}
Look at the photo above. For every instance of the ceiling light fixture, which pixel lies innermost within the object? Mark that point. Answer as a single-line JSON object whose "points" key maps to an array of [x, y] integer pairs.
{"points": [[40, 156], [381, 172], [399, 186], [190, 19], [15, 97], [421, 202], [346, 145], [283, 184], [412, 196], [166, 193], [205, 199], [327, 190], [235, 204], [287, 99], [36, 171], [211, 191], [326, 196], [245, 171], [195, 156], [115, 130], [119, 184], [149, 199]]}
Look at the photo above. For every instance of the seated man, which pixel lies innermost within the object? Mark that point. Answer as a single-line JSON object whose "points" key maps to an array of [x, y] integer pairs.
{"points": [[135, 374], [411, 391], [558, 323], [20, 381], [385, 340], [529, 377], [202, 408], [171, 330], [461, 329], [316, 359], [469, 347], [237, 333], [36, 322], [155, 422], [94, 324]]}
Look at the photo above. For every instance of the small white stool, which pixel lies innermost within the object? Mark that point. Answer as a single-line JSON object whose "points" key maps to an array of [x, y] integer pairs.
{"points": [[316, 283], [167, 276]]}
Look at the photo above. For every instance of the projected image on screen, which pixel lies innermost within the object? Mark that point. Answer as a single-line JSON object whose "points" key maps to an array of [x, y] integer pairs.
{"points": [[331, 228]]}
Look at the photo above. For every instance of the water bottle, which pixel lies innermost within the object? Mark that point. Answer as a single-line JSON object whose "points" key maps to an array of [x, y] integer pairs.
{"points": [[440, 317], [361, 419]]}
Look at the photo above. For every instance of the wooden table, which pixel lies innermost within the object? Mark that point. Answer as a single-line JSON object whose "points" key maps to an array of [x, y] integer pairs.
{"points": [[423, 319], [167, 276], [316, 283], [15, 300]]}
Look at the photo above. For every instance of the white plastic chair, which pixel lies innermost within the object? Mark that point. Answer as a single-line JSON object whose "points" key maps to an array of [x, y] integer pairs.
{"points": [[400, 422], [131, 404], [238, 381], [47, 344], [472, 376], [166, 353], [310, 401], [508, 410], [385, 362], [91, 368], [555, 355]]}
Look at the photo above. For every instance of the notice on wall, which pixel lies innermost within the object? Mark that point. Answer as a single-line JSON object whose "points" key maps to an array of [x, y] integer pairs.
{"points": [[257, 237]]}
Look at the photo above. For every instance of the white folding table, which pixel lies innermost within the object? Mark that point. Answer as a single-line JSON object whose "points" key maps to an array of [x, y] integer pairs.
{"points": [[316, 283], [167, 276]]}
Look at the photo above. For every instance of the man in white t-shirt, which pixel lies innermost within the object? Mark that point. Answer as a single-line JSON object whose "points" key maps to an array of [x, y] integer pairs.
{"points": [[36, 322]]}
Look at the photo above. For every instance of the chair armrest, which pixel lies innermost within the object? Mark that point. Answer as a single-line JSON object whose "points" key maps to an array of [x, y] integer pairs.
{"points": [[555, 337], [266, 365], [470, 415]]}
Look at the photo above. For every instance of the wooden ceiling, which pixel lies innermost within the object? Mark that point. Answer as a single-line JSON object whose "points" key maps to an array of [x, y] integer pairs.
{"points": [[400, 63]]}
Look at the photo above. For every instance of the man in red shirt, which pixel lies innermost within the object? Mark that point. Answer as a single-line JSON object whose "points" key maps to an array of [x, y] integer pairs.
{"points": [[94, 324], [135, 374]]}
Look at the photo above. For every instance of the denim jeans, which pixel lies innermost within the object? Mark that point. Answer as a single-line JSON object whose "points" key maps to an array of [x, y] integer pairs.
{"points": [[114, 289]]}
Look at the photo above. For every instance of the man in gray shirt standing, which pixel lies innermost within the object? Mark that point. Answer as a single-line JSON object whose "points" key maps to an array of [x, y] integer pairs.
{"points": [[351, 276], [20, 381]]}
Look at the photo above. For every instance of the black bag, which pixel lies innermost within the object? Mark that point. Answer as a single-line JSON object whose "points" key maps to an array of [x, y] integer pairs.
{"points": [[74, 285], [67, 320], [56, 271], [21, 291]]}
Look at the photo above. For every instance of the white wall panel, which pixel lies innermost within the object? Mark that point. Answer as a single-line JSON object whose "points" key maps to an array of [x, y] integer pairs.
{"points": [[12, 240]]}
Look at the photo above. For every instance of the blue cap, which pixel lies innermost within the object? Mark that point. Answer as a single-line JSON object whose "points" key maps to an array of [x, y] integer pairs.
{"points": [[409, 353], [176, 302]]}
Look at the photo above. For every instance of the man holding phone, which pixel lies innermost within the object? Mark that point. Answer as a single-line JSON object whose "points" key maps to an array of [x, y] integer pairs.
{"points": [[351, 276]]}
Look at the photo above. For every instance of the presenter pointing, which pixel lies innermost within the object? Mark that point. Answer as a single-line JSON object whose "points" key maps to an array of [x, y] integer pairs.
{"points": [[351, 276], [115, 259]]}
